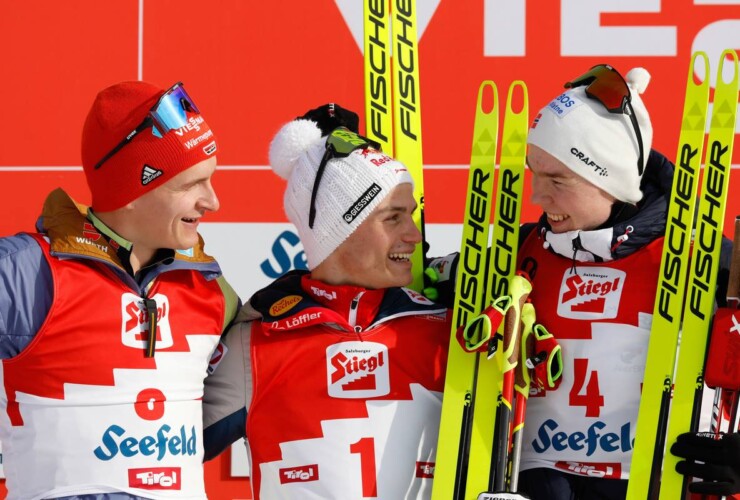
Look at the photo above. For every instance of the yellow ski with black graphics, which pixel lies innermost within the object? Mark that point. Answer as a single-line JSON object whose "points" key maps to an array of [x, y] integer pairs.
{"points": [[492, 416], [658, 379], [392, 101], [378, 108], [470, 299], [407, 114], [702, 281]]}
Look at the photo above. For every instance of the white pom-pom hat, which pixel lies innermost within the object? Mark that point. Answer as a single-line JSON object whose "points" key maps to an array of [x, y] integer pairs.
{"points": [[597, 145], [350, 188]]}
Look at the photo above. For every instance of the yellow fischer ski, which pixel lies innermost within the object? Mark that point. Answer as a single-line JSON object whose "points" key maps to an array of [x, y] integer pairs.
{"points": [[392, 102], [378, 111], [492, 416], [657, 385], [700, 294], [407, 114], [470, 298]]}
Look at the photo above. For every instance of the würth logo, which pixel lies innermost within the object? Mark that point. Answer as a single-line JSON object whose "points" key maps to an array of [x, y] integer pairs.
{"points": [[148, 174]]}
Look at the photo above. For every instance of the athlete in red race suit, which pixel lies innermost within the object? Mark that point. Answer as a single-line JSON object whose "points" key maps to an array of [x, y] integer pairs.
{"points": [[593, 259], [109, 315], [336, 376]]}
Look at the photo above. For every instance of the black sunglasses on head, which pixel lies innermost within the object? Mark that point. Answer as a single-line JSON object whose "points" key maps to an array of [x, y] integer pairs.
{"points": [[607, 86], [339, 144]]}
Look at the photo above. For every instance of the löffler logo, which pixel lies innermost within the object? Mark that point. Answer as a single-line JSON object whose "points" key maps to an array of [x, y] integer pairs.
{"points": [[357, 370], [592, 293]]}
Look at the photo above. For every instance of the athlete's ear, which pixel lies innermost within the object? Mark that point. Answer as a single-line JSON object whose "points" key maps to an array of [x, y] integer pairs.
{"points": [[330, 116]]}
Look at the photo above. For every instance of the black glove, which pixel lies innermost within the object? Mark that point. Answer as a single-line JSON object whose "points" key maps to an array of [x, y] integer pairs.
{"points": [[330, 116], [720, 470]]}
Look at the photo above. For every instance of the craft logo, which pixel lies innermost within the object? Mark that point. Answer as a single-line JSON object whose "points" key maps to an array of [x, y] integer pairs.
{"points": [[284, 305], [357, 370], [593, 293], [598, 470], [586, 159], [148, 174], [135, 322], [158, 478], [301, 474]]}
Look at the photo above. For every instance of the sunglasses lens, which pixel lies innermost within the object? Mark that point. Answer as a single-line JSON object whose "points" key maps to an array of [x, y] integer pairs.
{"points": [[171, 111], [611, 90], [604, 84]]}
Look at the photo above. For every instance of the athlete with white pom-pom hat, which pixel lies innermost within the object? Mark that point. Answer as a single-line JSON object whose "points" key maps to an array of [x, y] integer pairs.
{"points": [[335, 375]]}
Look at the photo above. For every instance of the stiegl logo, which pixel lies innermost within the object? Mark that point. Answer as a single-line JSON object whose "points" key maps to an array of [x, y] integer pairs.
{"points": [[159, 478], [135, 322], [593, 293], [357, 370]]}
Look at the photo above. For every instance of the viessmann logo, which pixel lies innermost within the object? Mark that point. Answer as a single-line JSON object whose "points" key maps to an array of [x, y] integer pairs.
{"points": [[593, 293], [357, 370]]}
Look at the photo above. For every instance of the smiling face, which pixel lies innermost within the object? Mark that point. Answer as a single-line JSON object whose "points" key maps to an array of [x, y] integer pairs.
{"points": [[570, 202], [377, 254], [168, 216]]}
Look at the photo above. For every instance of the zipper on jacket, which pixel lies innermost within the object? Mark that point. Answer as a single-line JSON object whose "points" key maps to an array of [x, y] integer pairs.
{"points": [[150, 305], [352, 319]]}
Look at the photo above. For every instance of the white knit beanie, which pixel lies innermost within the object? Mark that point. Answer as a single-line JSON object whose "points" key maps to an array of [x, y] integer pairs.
{"points": [[597, 145], [349, 190]]}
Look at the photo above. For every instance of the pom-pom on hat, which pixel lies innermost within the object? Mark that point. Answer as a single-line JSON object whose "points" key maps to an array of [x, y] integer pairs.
{"points": [[350, 189], [147, 161], [597, 145]]}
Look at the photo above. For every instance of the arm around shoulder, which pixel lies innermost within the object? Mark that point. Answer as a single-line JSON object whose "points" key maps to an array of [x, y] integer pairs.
{"points": [[227, 391]]}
